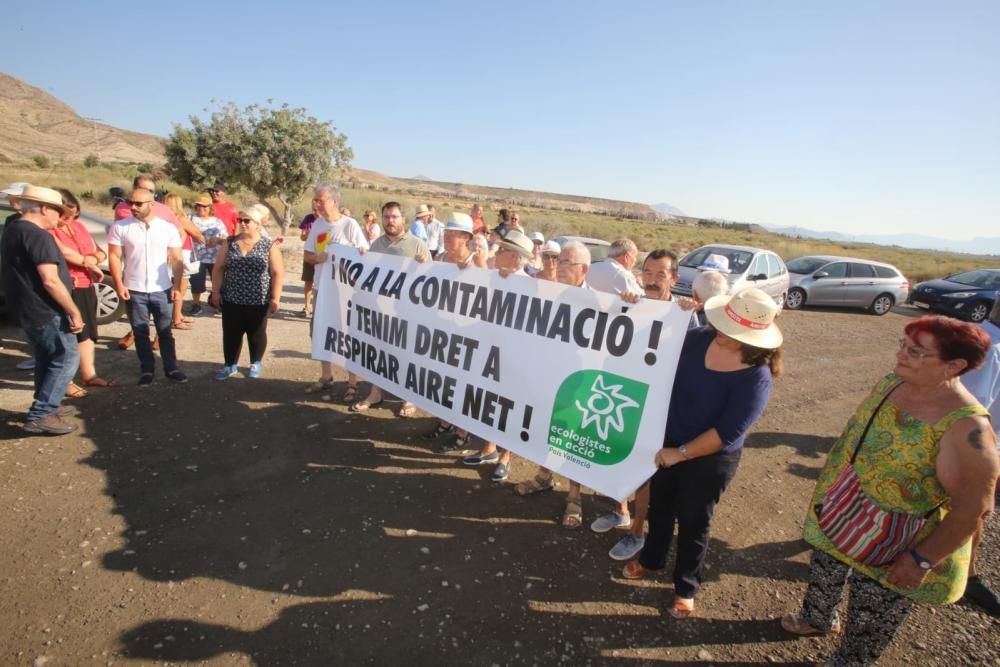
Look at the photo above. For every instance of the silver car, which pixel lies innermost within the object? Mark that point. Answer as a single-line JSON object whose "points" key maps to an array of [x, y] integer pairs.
{"points": [[849, 282], [748, 267]]}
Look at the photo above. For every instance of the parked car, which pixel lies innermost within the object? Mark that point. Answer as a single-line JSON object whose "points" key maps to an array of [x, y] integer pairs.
{"points": [[110, 308], [829, 280], [598, 247], [748, 267], [969, 295]]}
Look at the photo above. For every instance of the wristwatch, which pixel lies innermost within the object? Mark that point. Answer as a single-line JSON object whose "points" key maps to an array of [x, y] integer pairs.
{"points": [[683, 449], [921, 561]]}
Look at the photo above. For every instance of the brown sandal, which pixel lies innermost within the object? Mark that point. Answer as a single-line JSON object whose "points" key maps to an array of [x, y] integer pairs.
{"points": [[75, 391], [681, 608], [792, 623], [98, 381], [323, 384], [537, 485]]}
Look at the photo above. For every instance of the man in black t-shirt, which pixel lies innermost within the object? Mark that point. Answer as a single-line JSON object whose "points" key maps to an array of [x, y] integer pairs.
{"points": [[38, 292]]}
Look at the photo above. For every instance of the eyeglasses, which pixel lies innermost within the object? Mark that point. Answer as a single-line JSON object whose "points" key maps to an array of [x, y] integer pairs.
{"points": [[202, 206], [245, 221], [132, 202], [913, 351], [566, 262], [550, 258]]}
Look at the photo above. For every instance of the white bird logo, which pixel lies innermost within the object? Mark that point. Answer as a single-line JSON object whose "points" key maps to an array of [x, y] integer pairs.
{"points": [[604, 407]]}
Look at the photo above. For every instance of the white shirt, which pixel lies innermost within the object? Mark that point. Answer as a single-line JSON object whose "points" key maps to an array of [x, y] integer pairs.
{"points": [[984, 382], [435, 235], [611, 277], [345, 231], [146, 268]]}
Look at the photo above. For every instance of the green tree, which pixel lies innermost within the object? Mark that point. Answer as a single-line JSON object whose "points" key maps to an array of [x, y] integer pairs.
{"points": [[276, 153]]}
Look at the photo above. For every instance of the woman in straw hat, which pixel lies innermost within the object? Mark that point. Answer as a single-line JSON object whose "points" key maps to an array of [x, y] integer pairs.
{"points": [[722, 386]]}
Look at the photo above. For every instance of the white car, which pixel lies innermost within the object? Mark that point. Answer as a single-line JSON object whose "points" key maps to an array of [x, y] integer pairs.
{"points": [[748, 267]]}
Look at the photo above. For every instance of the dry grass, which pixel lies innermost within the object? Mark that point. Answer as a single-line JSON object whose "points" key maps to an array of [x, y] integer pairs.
{"points": [[91, 184]]}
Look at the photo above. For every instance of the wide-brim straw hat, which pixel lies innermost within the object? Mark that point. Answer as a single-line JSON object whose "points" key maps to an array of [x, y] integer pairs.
{"points": [[13, 191], [517, 241], [423, 211], [203, 200], [747, 316], [41, 195], [550, 248]]}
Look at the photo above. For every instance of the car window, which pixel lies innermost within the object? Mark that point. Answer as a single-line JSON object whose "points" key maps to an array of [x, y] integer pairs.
{"points": [[738, 259], [859, 270], [773, 266], [805, 265], [975, 278], [886, 272], [836, 270], [759, 266]]}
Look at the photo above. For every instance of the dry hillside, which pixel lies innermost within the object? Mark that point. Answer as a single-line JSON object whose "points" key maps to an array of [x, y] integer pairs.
{"points": [[32, 122]]}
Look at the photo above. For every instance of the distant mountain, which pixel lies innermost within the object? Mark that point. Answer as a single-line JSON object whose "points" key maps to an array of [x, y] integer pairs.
{"points": [[32, 122], [667, 208], [421, 177], [980, 245]]}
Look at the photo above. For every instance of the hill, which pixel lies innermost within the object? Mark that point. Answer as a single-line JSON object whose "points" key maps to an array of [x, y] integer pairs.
{"points": [[32, 122]]}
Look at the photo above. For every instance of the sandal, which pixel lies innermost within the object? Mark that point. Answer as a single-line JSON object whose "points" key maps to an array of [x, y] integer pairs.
{"points": [[320, 385], [573, 514], [98, 381], [540, 484], [75, 391], [440, 429], [408, 410], [364, 406], [350, 393], [635, 570], [182, 325], [792, 623], [681, 608]]}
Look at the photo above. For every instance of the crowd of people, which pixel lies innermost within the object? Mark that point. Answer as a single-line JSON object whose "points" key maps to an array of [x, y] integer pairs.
{"points": [[898, 509]]}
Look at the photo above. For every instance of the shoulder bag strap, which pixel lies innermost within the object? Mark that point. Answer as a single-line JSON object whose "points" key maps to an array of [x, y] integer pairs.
{"points": [[871, 419]]}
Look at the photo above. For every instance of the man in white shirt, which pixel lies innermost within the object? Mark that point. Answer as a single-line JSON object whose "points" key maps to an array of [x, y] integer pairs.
{"points": [[435, 234], [144, 251], [614, 275], [331, 227]]}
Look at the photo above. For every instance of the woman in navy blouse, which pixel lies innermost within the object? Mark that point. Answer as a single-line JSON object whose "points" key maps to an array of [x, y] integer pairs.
{"points": [[722, 386]]}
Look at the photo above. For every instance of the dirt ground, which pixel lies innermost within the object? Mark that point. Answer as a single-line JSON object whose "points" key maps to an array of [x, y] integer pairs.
{"points": [[246, 522]]}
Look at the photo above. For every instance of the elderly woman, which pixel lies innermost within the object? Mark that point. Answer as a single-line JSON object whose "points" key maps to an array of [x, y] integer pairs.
{"points": [[82, 257], [915, 470], [246, 286], [461, 249], [722, 385]]}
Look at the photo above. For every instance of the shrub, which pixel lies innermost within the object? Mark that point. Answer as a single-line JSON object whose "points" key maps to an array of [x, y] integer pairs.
{"points": [[41, 162], [91, 161]]}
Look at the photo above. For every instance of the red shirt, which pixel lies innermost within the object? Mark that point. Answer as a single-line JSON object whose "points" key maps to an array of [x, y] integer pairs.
{"points": [[78, 239], [160, 210], [478, 225], [226, 211]]}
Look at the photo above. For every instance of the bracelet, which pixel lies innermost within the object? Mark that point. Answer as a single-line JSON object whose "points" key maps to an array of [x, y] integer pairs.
{"points": [[921, 561]]}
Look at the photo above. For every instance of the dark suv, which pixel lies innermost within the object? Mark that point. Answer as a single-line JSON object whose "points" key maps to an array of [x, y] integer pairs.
{"points": [[968, 295]]}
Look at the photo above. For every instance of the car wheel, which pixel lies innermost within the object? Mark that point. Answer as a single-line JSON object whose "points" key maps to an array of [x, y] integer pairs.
{"points": [[796, 299], [110, 307], [882, 304], [979, 311]]}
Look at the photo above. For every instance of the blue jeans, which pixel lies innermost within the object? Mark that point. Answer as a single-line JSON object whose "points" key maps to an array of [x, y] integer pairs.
{"points": [[57, 357], [140, 306]]}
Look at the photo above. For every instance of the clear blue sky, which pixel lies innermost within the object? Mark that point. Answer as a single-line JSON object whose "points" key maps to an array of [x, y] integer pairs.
{"points": [[847, 116]]}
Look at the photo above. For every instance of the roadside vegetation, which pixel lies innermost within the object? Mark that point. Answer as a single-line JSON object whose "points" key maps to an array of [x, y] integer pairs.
{"points": [[92, 183]]}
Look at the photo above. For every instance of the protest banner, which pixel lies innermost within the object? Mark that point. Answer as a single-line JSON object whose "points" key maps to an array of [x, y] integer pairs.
{"points": [[573, 379]]}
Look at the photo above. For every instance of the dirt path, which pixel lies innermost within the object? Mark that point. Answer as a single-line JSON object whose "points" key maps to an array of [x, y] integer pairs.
{"points": [[244, 522]]}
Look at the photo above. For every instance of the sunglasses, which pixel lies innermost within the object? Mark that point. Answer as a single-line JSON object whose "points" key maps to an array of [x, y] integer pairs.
{"points": [[245, 221], [132, 202]]}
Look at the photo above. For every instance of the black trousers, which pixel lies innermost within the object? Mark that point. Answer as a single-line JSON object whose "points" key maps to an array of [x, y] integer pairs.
{"points": [[685, 495], [239, 321]]}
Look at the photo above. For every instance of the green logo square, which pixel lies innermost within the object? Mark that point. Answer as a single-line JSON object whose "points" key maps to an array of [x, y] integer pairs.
{"points": [[596, 416]]}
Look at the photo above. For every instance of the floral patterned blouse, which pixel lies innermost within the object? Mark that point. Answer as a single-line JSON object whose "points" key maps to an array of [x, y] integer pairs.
{"points": [[897, 469]]}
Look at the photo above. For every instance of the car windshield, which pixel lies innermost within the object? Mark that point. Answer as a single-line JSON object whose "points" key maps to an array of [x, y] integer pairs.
{"points": [[806, 264], [978, 278], [739, 260]]}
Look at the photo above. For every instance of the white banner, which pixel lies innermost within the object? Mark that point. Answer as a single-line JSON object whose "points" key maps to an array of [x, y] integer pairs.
{"points": [[573, 379]]}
